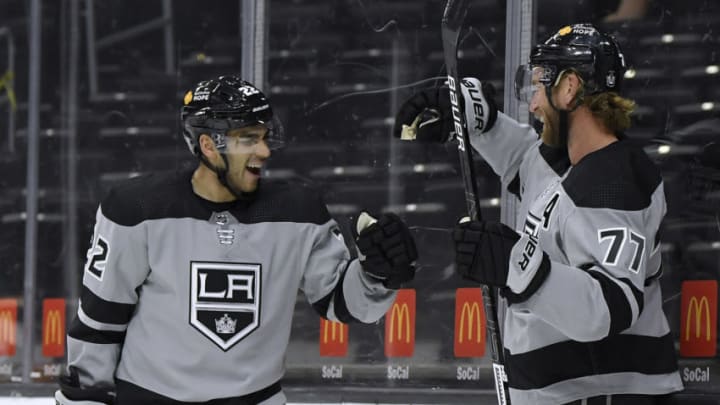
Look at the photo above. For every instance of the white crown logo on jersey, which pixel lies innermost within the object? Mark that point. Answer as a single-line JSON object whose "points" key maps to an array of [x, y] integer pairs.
{"points": [[226, 236], [221, 219], [225, 324]]}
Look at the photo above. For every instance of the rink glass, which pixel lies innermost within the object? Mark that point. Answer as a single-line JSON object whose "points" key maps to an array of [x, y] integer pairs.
{"points": [[335, 72]]}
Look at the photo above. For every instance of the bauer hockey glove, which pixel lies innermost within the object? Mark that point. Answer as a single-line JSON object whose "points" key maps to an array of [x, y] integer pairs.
{"points": [[427, 115], [70, 392], [387, 249], [492, 253]]}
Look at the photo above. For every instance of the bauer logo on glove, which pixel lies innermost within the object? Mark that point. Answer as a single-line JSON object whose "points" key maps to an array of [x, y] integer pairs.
{"points": [[427, 115], [494, 254]]}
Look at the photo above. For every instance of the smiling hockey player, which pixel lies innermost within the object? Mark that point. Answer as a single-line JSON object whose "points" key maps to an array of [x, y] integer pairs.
{"points": [[191, 279], [584, 322]]}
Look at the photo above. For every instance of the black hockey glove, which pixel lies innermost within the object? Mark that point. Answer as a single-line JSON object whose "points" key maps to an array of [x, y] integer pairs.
{"points": [[427, 115], [70, 392], [387, 249], [492, 253]]}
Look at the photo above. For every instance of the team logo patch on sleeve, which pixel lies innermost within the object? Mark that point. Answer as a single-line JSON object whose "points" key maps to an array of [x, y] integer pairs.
{"points": [[225, 301]]}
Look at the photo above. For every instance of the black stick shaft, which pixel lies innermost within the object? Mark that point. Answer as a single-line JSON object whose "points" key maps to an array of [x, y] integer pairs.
{"points": [[452, 21]]}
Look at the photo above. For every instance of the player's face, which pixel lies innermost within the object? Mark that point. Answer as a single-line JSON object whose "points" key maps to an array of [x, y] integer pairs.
{"points": [[246, 151], [542, 110]]}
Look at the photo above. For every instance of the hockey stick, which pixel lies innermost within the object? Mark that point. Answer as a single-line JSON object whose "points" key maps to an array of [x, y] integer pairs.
{"points": [[452, 21]]}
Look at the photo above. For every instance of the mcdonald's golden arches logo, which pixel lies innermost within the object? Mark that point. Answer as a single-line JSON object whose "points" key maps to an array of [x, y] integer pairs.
{"points": [[469, 323], [698, 318], [333, 338], [53, 330], [399, 317], [8, 326], [400, 325], [701, 310]]}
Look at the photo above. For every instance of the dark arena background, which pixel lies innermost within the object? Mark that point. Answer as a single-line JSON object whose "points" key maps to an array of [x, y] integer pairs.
{"points": [[90, 94]]}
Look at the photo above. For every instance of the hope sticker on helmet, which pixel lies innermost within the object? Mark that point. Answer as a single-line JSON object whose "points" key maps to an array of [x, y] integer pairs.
{"points": [[202, 95]]}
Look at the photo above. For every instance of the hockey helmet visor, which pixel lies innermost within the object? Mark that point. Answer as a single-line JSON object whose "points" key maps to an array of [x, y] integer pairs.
{"points": [[220, 129], [529, 79]]}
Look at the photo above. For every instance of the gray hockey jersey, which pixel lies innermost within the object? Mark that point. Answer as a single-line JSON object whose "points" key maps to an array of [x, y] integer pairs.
{"points": [[189, 300], [596, 326]]}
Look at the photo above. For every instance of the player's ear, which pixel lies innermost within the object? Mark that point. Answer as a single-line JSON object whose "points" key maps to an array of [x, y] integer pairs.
{"points": [[207, 146], [570, 87]]}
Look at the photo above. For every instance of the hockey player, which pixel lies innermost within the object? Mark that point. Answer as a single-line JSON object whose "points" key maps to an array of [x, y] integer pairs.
{"points": [[580, 273], [191, 279]]}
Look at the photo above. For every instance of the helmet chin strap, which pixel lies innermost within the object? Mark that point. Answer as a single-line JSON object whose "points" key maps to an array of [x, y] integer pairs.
{"points": [[221, 174], [563, 116]]}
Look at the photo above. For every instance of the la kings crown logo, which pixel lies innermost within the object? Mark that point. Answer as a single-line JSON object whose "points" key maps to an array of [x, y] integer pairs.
{"points": [[225, 301]]}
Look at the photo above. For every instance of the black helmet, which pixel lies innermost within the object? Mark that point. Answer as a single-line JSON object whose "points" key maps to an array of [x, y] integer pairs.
{"points": [[228, 102], [595, 56]]}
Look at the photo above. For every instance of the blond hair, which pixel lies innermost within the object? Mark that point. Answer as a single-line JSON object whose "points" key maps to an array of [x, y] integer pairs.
{"points": [[611, 109]]}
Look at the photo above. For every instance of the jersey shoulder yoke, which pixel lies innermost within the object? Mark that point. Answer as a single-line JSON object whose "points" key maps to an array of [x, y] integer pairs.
{"points": [[150, 196], [620, 176]]}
